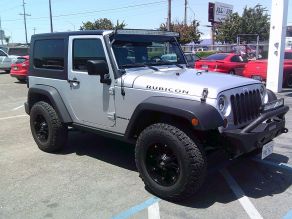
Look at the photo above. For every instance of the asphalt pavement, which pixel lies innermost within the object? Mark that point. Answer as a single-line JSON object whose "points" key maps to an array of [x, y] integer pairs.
{"points": [[96, 177]]}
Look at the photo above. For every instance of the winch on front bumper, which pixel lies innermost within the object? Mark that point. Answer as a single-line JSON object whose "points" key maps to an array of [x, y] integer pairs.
{"points": [[262, 130]]}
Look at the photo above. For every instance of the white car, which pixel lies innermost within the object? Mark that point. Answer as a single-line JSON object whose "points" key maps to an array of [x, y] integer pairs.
{"points": [[6, 59]]}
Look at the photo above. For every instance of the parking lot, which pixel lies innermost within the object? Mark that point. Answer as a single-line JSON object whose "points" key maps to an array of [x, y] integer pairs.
{"points": [[96, 177]]}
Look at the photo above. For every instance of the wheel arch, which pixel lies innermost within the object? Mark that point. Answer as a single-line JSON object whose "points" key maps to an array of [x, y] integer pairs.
{"points": [[50, 95], [173, 110]]}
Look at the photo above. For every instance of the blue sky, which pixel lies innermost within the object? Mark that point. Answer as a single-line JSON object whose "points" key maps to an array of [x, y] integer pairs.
{"points": [[144, 16]]}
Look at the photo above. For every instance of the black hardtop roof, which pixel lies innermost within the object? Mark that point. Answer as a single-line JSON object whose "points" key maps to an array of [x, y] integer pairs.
{"points": [[69, 33], [100, 32]]}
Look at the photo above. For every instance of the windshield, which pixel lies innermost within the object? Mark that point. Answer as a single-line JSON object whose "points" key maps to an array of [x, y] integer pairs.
{"points": [[18, 51], [145, 52], [216, 57]]}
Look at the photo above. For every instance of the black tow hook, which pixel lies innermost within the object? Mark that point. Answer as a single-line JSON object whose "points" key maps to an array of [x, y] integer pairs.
{"points": [[284, 130]]}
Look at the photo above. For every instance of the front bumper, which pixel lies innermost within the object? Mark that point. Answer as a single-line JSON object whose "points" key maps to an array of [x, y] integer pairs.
{"points": [[261, 131]]}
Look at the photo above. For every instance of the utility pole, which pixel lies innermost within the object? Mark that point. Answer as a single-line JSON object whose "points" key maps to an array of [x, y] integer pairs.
{"points": [[24, 19], [186, 6], [34, 29], [51, 19], [1, 32], [169, 16]]}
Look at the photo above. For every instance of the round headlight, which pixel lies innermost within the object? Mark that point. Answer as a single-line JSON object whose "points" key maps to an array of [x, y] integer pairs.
{"points": [[221, 104], [263, 93]]}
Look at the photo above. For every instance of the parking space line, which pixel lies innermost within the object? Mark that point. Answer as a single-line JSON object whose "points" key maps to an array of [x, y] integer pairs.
{"points": [[153, 211], [244, 201], [288, 215], [135, 209], [282, 165], [16, 108], [12, 117]]}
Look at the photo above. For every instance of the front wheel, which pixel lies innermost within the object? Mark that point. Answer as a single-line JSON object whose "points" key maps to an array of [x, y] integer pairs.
{"points": [[171, 165], [47, 130]]}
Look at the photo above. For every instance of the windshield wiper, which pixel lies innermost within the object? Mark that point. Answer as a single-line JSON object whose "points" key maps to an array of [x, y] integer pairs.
{"points": [[139, 65], [167, 63]]}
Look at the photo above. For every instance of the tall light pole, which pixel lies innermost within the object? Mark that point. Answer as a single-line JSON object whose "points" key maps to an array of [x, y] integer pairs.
{"points": [[51, 19], [186, 6], [169, 16], [24, 19]]}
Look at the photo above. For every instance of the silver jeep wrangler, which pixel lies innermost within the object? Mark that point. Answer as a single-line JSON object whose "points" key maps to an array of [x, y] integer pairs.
{"points": [[134, 85]]}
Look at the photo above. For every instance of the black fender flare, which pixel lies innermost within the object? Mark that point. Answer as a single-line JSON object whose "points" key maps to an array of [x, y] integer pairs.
{"points": [[209, 117], [37, 92]]}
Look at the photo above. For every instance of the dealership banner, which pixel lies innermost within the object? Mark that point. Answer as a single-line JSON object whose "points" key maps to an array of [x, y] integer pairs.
{"points": [[221, 11]]}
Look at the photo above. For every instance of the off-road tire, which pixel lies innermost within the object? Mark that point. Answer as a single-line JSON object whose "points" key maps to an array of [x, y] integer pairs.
{"points": [[190, 156], [57, 131]]}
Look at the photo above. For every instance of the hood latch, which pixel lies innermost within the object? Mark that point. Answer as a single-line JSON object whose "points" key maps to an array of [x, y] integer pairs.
{"points": [[204, 95]]}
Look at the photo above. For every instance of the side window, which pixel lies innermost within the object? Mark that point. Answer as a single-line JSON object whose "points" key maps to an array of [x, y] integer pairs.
{"points": [[49, 54], [236, 59], [2, 53], [84, 50]]}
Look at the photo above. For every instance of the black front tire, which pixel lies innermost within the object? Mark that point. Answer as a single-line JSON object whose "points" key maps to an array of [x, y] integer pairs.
{"points": [[48, 131], [7, 71], [190, 159]]}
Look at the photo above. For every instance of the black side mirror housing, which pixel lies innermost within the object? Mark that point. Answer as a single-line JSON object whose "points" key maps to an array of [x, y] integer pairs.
{"points": [[99, 67]]}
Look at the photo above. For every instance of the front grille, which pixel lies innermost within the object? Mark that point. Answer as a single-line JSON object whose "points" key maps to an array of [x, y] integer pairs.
{"points": [[245, 106]]}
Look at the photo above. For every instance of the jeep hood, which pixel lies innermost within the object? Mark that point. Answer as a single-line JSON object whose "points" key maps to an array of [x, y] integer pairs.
{"points": [[184, 81]]}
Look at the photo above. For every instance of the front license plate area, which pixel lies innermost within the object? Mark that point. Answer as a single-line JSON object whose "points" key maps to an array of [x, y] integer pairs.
{"points": [[204, 66], [267, 149]]}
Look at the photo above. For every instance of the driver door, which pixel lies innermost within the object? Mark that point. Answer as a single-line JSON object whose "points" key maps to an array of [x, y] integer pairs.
{"points": [[90, 101]]}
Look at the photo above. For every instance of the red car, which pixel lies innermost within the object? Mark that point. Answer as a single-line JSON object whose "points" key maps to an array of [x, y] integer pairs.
{"points": [[19, 69], [230, 63], [258, 69]]}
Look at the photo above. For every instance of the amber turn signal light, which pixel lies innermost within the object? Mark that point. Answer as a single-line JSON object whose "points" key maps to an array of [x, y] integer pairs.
{"points": [[195, 122]]}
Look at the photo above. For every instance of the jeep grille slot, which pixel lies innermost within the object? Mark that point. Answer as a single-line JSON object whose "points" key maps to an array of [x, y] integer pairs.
{"points": [[245, 106]]}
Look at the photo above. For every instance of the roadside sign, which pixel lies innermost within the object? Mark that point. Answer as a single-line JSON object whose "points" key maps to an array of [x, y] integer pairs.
{"points": [[221, 11]]}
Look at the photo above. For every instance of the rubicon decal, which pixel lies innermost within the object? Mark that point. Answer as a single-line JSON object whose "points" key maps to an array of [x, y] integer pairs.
{"points": [[167, 89]]}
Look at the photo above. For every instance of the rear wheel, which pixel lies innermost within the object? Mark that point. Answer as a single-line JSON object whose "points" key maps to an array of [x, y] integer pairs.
{"points": [[289, 81], [232, 72], [171, 165], [22, 80], [47, 130]]}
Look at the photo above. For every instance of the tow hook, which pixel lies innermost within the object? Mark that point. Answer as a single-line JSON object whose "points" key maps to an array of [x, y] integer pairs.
{"points": [[284, 130]]}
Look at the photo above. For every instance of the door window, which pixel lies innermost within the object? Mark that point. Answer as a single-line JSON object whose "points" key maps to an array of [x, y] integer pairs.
{"points": [[84, 50], [236, 59]]}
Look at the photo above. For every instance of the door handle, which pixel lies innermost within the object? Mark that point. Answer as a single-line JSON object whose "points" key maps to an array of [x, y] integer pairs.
{"points": [[74, 82]]}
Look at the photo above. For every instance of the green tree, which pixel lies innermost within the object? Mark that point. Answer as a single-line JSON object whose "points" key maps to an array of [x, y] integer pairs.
{"points": [[102, 24], [253, 21], [188, 33]]}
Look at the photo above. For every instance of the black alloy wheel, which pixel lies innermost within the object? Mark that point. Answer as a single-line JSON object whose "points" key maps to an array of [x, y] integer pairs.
{"points": [[162, 164], [41, 128]]}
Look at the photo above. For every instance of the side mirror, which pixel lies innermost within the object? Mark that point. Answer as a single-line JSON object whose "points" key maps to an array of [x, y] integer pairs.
{"points": [[99, 67]]}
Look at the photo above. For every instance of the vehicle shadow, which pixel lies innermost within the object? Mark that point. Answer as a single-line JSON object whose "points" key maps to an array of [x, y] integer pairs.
{"points": [[256, 179], [105, 149]]}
